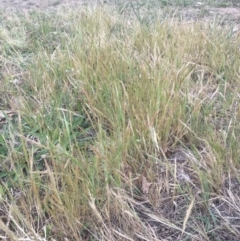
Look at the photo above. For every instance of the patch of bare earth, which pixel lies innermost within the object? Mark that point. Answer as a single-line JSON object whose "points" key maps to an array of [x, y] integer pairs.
{"points": [[31, 4], [224, 16]]}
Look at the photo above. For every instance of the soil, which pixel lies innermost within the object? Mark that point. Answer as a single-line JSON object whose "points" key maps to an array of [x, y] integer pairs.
{"points": [[229, 16], [43, 4], [29, 4], [197, 11]]}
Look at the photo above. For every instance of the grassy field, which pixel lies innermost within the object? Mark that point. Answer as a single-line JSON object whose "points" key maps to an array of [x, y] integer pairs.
{"points": [[118, 123]]}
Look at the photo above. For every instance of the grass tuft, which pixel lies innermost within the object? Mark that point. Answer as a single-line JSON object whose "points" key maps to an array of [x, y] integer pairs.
{"points": [[113, 129]]}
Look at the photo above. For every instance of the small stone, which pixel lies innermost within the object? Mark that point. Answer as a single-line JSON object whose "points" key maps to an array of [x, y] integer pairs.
{"points": [[198, 4], [16, 81]]}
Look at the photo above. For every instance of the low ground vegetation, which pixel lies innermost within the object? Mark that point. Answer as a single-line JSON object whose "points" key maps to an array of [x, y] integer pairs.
{"points": [[118, 124]]}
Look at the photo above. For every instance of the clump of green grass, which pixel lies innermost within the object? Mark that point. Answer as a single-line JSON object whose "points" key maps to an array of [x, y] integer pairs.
{"points": [[119, 130]]}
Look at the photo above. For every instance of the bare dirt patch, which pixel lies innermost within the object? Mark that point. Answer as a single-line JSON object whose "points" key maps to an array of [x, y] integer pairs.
{"points": [[229, 16], [195, 12], [29, 4], [207, 12]]}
